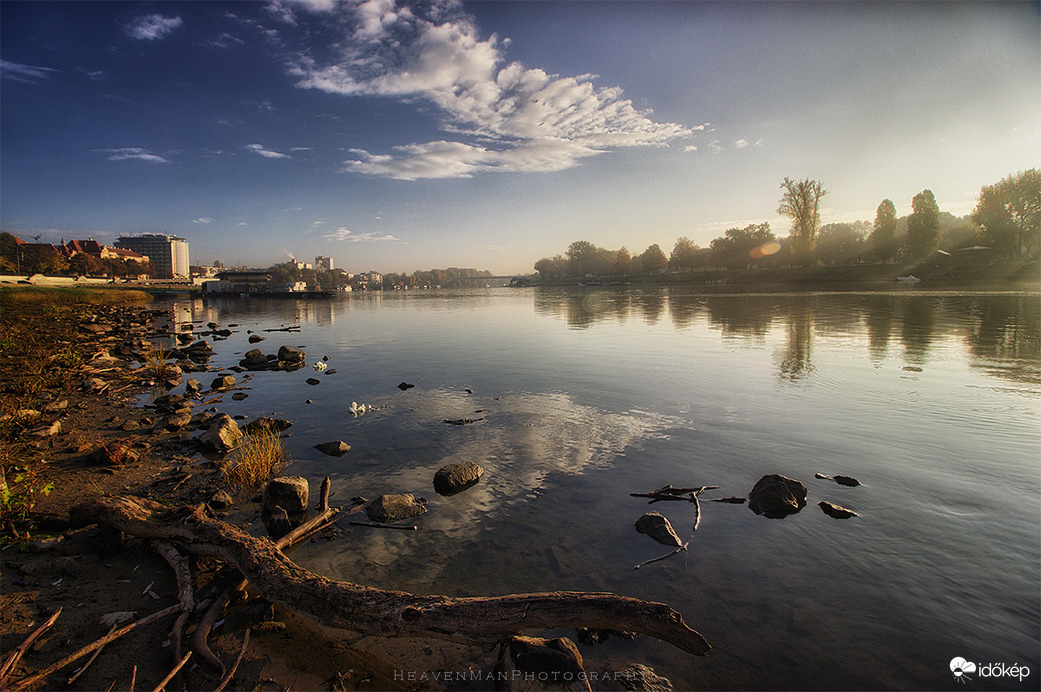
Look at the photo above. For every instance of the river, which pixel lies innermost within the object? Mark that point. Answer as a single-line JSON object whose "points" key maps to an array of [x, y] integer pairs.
{"points": [[581, 396]]}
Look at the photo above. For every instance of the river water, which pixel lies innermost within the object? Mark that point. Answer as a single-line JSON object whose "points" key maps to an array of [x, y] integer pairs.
{"points": [[581, 396]]}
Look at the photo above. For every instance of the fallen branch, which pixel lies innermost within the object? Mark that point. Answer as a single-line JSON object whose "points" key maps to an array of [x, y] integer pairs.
{"points": [[12, 660], [231, 673], [90, 660], [379, 612], [111, 636], [380, 525], [185, 595], [169, 676], [199, 642]]}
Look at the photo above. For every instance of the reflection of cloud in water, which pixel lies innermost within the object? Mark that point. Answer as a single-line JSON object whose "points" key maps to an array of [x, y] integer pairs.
{"points": [[524, 439]]}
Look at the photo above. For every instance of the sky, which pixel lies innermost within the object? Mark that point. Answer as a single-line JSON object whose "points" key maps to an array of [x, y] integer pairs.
{"points": [[399, 136]]}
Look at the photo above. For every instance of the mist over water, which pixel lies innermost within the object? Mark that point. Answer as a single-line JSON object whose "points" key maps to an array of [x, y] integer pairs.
{"points": [[581, 396]]}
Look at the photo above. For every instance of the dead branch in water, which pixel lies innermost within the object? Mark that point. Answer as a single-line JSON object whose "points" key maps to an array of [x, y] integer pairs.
{"points": [[379, 612]]}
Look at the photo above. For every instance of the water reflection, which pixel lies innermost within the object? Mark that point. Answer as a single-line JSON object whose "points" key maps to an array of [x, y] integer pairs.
{"points": [[1002, 330]]}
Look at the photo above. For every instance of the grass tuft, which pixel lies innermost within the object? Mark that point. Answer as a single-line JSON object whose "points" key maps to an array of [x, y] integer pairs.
{"points": [[255, 460]]}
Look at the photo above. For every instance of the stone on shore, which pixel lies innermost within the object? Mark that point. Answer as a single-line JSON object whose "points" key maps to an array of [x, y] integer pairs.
{"points": [[455, 478], [658, 527], [640, 678], [334, 448], [390, 508], [287, 492], [775, 496], [223, 434], [535, 663]]}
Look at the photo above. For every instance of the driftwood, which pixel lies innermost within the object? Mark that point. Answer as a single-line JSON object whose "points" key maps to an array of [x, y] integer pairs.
{"points": [[111, 636], [11, 662], [199, 642], [169, 676], [97, 652], [185, 595], [379, 612], [231, 673]]}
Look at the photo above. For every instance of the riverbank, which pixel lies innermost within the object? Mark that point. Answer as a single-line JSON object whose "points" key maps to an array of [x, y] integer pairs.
{"points": [[75, 365], [941, 273]]}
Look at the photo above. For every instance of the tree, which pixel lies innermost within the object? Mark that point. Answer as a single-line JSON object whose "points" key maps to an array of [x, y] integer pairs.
{"points": [[801, 203], [739, 247], [623, 261], [1009, 214], [684, 254], [883, 233], [551, 267], [82, 264], [840, 243], [580, 257], [653, 260], [923, 226]]}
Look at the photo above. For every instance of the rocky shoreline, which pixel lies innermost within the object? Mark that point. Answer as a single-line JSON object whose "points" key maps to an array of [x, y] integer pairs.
{"points": [[87, 412], [76, 423]]}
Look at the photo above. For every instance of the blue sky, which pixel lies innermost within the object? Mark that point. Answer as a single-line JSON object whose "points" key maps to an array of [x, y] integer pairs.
{"points": [[400, 136]]}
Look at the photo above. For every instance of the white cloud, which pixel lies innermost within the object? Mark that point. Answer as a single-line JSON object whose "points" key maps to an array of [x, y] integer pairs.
{"points": [[266, 153], [690, 148], [345, 235], [152, 26], [203, 219], [24, 73], [740, 144], [534, 120], [715, 147], [133, 153], [443, 159]]}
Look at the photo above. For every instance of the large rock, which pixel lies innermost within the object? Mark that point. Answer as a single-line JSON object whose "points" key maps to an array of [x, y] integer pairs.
{"points": [[287, 492], [534, 663], [775, 497], [223, 382], [291, 354], [254, 358], [265, 424], [391, 508], [455, 478], [334, 448], [223, 434], [658, 527]]}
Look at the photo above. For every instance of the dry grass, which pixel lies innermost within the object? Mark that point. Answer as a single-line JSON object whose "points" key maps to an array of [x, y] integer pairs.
{"points": [[254, 461], [39, 295]]}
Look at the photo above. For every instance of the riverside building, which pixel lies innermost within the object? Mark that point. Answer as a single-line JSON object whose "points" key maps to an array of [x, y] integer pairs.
{"points": [[169, 254]]}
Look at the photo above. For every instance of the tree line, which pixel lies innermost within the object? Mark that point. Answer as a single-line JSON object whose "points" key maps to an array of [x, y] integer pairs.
{"points": [[290, 272], [1007, 220]]}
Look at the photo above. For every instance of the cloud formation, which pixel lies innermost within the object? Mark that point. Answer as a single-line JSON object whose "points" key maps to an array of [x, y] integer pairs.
{"points": [[133, 153], [345, 235], [152, 26], [203, 220], [525, 119], [24, 73], [266, 153]]}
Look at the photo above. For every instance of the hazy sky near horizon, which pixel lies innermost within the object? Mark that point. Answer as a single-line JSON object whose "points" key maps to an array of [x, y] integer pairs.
{"points": [[399, 136]]}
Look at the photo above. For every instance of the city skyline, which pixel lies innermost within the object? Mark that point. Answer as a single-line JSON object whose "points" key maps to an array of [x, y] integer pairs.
{"points": [[399, 137]]}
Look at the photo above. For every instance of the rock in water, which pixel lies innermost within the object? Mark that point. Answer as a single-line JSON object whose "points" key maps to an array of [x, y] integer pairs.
{"points": [[223, 434], [835, 511], [391, 508], [455, 478], [640, 678], [658, 527], [335, 448], [405, 385], [775, 496], [287, 492], [265, 424], [291, 354], [223, 382], [846, 480]]}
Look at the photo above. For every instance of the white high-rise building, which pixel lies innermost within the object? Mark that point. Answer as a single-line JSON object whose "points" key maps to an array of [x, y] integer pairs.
{"points": [[323, 264], [169, 254]]}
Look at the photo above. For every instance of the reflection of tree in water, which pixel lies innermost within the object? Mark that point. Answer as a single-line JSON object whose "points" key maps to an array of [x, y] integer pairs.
{"points": [[650, 305], [878, 318], [745, 316], [684, 308], [918, 327], [795, 363], [1005, 335]]}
